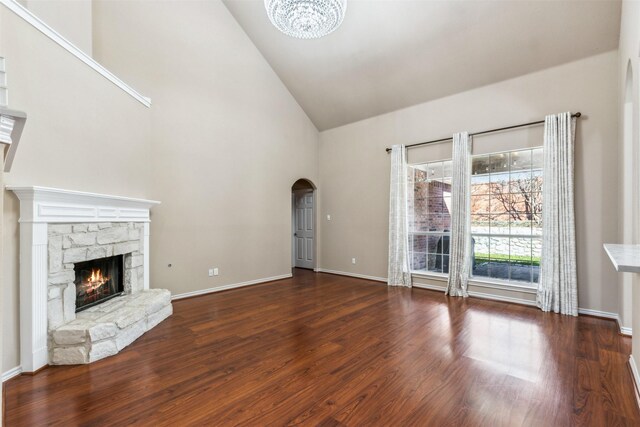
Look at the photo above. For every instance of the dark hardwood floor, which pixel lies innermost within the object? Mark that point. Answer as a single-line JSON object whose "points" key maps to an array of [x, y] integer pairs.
{"points": [[327, 350]]}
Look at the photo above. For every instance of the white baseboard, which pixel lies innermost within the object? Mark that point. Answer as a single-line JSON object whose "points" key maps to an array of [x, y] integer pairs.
{"points": [[479, 295], [502, 298], [231, 286], [359, 276], [598, 313], [430, 287], [615, 316], [11, 373], [636, 378], [625, 331]]}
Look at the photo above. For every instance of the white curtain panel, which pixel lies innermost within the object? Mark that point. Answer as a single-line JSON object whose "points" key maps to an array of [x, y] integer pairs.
{"points": [[460, 241], [558, 285], [399, 266]]}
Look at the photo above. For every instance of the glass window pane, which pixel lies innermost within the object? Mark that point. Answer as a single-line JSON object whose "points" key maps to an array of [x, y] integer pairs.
{"points": [[499, 258], [480, 184], [479, 224], [536, 158], [480, 204], [419, 261], [499, 224], [520, 182], [434, 263], [435, 223], [432, 243], [520, 160], [434, 170], [447, 169], [499, 163], [480, 165], [480, 256], [536, 251], [536, 208], [499, 182], [500, 203], [520, 272], [522, 262]]}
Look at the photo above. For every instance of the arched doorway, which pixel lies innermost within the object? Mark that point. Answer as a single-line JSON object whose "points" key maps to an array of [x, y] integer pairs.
{"points": [[303, 224]]}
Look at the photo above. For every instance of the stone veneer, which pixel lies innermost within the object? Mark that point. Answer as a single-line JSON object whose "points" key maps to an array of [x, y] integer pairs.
{"points": [[106, 328]]}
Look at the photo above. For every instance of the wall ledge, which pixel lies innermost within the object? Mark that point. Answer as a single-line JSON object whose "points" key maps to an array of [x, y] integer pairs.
{"points": [[41, 26]]}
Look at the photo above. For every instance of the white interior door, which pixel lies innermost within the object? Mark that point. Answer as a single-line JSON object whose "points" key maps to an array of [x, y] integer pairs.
{"points": [[304, 233]]}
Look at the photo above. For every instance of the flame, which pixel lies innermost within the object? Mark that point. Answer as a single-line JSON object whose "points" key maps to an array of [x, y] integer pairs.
{"points": [[96, 276], [95, 281]]}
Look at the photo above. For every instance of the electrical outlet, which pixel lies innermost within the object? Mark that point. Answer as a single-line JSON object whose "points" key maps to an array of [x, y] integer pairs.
{"points": [[211, 271], [353, 260], [215, 271]]}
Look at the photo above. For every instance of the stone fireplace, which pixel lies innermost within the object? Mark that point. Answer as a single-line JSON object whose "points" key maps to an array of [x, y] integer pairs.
{"points": [[84, 276]]}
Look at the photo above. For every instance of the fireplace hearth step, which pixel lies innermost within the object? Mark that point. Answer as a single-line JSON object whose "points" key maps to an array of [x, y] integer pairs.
{"points": [[107, 328]]}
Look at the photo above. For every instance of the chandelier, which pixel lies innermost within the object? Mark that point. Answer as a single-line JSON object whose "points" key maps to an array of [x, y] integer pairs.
{"points": [[306, 19]]}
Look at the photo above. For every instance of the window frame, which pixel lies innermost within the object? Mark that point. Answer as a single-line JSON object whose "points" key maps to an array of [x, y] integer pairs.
{"points": [[486, 281]]}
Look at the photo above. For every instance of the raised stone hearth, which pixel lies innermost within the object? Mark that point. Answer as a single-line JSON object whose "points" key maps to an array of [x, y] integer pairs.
{"points": [[109, 327]]}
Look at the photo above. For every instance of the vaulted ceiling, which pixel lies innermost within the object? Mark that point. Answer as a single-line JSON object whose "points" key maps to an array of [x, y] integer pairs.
{"points": [[391, 54]]}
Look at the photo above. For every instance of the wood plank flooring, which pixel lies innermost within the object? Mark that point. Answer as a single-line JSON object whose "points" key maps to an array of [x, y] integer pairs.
{"points": [[326, 350]]}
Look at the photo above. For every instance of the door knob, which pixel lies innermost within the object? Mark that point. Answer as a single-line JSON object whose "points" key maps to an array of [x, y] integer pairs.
{"points": [[295, 234]]}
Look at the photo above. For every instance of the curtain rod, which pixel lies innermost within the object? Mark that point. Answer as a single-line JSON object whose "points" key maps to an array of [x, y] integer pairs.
{"points": [[539, 122]]}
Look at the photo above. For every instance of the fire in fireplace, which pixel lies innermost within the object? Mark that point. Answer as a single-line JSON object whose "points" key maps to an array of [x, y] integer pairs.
{"points": [[98, 280]]}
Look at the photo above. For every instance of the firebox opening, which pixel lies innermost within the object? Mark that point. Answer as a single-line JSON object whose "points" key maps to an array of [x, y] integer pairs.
{"points": [[98, 280]]}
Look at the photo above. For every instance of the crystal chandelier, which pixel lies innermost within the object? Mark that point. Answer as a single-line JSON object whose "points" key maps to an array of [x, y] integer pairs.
{"points": [[306, 19]]}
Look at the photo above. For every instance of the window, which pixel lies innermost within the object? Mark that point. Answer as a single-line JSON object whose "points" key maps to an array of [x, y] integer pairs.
{"points": [[430, 219], [506, 216]]}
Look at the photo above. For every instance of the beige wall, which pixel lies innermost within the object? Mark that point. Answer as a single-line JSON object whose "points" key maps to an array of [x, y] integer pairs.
{"points": [[82, 133], [354, 167], [629, 154], [220, 147], [71, 18], [229, 140]]}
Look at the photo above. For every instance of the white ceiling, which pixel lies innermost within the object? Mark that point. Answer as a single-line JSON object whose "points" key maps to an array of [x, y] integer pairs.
{"points": [[390, 54]]}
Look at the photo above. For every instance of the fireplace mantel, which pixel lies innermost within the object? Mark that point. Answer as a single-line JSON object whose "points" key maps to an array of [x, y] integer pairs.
{"points": [[40, 206], [53, 205]]}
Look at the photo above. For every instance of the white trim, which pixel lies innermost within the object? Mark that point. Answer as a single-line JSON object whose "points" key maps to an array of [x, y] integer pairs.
{"points": [[359, 276], [635, 376], [6, 376], [598, 313], [502, 284], [38, 24], [502, 298], [483, 283], [482, 295], [231, 286], [615, 316], [53, 205], [430, 287], [625, 330]]}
